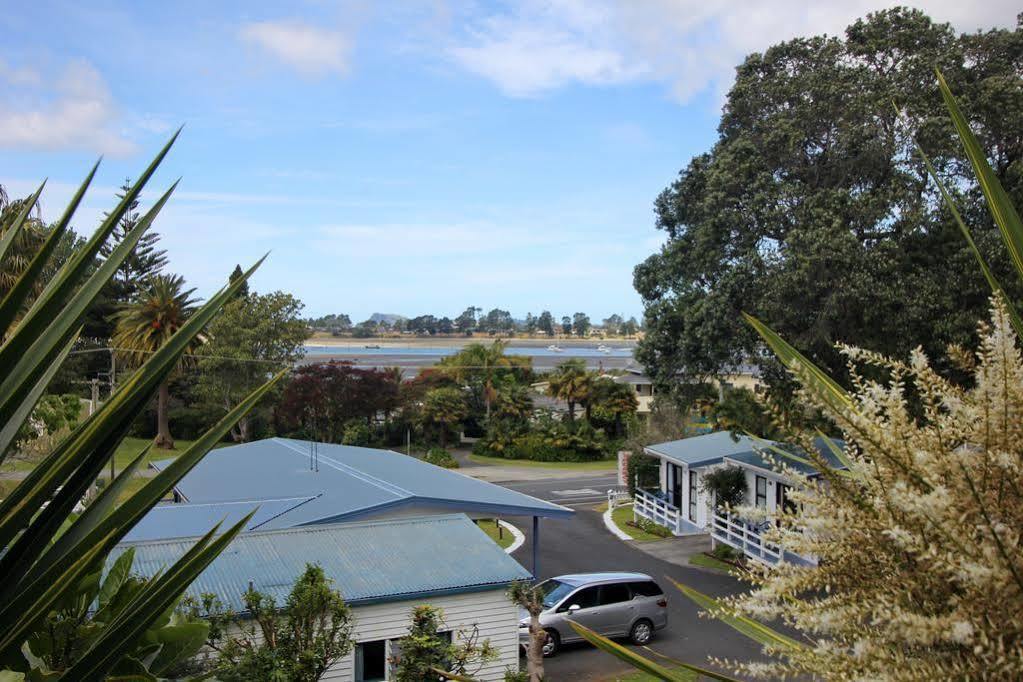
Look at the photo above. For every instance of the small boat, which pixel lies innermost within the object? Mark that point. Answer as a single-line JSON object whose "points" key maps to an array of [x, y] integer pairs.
{"points": [[553, 348], [374, 347], [603, 349]]}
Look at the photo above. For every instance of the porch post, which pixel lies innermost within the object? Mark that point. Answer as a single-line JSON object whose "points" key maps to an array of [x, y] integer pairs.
{"points": [[536, 545]]}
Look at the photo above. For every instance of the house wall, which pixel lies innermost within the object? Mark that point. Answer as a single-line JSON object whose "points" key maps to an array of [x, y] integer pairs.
{"points": [[496, 617]]}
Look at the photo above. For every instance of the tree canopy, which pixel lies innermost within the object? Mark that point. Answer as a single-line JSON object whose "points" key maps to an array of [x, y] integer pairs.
{"points": [[813, 209]]}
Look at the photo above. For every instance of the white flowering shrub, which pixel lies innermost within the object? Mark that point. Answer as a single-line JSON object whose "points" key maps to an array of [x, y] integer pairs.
{"points": [[920, 571]]}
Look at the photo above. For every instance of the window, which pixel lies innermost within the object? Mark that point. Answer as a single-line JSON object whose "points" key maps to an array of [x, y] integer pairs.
{"points": [[692, 496], [647, 588], [370, 661], [782, 501], [761, 492], [554, 591], [614, 593], [586, 598]]}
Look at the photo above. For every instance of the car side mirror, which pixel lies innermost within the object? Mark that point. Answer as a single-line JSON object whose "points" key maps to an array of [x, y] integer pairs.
{"points": [[573, 608]]}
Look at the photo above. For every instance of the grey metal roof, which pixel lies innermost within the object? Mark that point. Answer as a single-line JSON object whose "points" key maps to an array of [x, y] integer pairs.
{"points": [[190, 520], [371, 561], [760, 457], [351, 483], [701, 450]]}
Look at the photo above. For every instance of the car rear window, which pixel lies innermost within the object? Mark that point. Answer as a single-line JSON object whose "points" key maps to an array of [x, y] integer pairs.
{"points": [[646, 588]]}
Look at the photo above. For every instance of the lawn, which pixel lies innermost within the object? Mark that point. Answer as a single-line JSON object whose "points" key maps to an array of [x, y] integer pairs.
{"points": [[128, 450], [622, 516], [504, 538], [600, 465], [705, 561]]}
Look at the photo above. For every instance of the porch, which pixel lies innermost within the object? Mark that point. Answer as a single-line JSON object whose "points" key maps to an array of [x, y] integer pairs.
{"points": [[746, 537], [652, 505]]}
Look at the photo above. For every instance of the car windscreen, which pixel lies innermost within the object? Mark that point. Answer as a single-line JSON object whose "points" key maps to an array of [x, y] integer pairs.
{"points": [[554, 591]]}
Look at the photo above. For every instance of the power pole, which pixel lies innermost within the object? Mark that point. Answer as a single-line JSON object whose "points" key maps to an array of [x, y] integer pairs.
{"points": [[94, 405]]}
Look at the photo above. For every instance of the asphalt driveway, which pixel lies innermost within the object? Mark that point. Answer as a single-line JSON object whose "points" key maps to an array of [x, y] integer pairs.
{"points": [[582, 544]]}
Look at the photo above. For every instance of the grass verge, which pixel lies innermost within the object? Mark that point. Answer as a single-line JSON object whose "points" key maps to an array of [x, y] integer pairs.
{"points": [[502, 536], [704, 561], [622, 516], [601, 465]]}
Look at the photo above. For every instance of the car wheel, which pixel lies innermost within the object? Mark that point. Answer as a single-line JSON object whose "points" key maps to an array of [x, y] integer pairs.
{"points": [[642, 632], [551, 644]]}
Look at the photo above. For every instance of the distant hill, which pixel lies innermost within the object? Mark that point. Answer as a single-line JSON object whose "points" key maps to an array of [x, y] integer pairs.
{"points": [[389, 318]]}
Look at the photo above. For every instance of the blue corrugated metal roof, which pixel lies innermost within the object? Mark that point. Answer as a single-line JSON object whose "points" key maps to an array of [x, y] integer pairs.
{"points": [[189, 520], [706, 449], [760, 459], [351, 482], [370, 561]]}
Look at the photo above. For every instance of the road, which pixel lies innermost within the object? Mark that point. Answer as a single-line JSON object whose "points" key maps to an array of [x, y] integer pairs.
{"points": [[583, 544]]}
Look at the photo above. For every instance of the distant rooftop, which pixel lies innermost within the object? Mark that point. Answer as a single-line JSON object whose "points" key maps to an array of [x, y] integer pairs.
{"points": [[371, 561], [706, 449], [714, 448], [348, 483]]}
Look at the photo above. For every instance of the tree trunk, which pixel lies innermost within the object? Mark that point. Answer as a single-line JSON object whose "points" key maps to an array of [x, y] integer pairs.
{"points": [[534, 655], [163, 440], [571, 411], [245, 429]]}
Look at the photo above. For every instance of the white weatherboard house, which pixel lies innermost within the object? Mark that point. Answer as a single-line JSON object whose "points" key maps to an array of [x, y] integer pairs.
{"points": [[681, 504], [383, 569]]}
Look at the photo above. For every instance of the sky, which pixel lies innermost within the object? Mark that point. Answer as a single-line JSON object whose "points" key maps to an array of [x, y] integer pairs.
{"points": [[412, 157]]}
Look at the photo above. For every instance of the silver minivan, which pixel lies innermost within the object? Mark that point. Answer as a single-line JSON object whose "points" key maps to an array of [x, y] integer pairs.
{"points": [[613, 604]]}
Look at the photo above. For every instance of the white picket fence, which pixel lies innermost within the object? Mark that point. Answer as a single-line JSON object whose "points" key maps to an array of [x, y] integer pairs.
{"points": [[657, 510]]}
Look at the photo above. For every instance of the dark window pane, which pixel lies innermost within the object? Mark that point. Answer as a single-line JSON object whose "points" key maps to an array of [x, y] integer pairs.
{"points": [[647, 588], [370, 661], [614, 594], [586, 598]]}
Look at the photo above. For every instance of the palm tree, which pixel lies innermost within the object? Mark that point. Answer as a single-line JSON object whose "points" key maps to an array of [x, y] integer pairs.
{"points": [[570, 381], [615, 399], [484, 367], [514, 402], [445, 407], [144, 325]]}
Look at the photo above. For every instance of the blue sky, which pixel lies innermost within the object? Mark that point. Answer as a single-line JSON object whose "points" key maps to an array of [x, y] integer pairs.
{"points": [[412, 157]]}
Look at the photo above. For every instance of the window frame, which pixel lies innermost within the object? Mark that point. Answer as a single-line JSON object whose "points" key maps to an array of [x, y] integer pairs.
{"points": [[692, 495], [761, 498]]}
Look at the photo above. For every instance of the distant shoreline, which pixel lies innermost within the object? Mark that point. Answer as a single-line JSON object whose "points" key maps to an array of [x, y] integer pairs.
{"points": [[449, 341]]}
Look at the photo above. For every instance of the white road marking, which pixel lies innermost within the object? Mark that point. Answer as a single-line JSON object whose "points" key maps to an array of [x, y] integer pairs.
{"points": [[576, 492]]}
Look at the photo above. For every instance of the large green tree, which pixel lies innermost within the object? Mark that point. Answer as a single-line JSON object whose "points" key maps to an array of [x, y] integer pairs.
{"points": [[256, 334], [813, 209]]}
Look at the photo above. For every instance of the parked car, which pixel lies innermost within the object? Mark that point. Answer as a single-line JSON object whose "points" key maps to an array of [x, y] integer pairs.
{"points": [[613, 604]]}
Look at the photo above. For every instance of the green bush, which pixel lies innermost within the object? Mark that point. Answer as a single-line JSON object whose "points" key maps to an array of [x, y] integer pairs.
{"points": [[356, 433], [726, 553], [547, 441], [648, 526], [441, 458], [644, 467]]}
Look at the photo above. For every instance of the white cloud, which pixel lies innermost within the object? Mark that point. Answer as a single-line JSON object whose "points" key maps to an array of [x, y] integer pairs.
{"points": [[77, 112], [688, 45], [310, 50]]}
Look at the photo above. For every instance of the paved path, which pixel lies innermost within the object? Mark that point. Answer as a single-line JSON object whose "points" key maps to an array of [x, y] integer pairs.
{"points": [[582, 544]]}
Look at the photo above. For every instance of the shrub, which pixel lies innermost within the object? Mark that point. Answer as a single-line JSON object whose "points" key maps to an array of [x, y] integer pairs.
{"points": [[356, 433], [547, 441], [644, 467], [726, 553], [648, 526], [441, 458], [727, 485]]}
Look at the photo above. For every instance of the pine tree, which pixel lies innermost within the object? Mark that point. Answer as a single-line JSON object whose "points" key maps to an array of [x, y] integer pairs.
{"points": [[145, 261]]}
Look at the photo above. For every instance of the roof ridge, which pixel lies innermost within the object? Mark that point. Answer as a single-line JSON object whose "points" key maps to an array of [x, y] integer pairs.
{"points": [[352, 471], [316, 527]]}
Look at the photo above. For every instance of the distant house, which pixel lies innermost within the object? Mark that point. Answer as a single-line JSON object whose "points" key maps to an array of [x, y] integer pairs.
{"points": [[382, 568], [300, 483], [642, 384], [681, 504]]}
